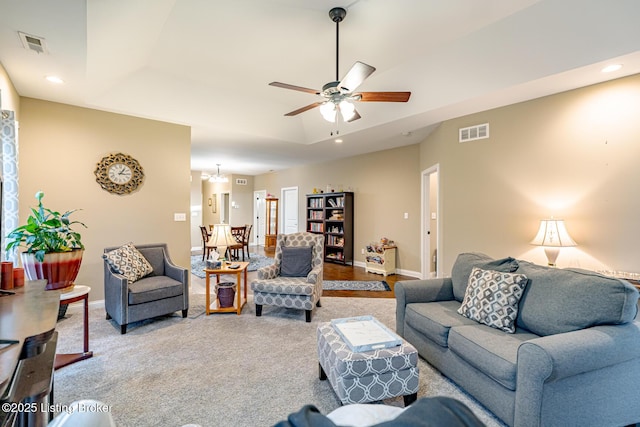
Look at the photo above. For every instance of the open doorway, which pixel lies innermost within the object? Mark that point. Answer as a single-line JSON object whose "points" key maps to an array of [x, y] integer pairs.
{"points": [[224, 208], [430, 222], [259, 216]]}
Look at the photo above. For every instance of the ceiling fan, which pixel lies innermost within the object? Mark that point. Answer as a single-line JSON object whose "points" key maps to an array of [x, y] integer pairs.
{"points": [[340, 94]]}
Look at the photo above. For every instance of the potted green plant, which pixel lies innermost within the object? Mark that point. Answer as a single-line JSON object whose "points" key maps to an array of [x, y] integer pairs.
{"points": [[53, 249]]}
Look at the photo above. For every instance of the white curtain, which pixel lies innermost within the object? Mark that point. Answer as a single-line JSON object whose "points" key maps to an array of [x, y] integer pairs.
{"points": [[9, 177]]}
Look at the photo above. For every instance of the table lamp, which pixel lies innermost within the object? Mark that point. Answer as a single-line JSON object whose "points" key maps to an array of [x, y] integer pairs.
{"points": [[552, 235], [221, 238]]}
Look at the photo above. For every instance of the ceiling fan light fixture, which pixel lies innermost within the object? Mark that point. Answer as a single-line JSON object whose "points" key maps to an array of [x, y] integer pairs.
{"points": [[347, 109], [328, 111]]}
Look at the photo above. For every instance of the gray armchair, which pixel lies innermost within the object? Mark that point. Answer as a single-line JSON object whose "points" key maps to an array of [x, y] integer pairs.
{"points": [[163, 291], [278, 285]]}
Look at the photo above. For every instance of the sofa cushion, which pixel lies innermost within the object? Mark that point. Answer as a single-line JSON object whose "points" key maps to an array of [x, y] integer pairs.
{"points": [[296, 261], [465, 263], [492, 298], [489, 350], [563, 300], [129, 262], [434, 319], [153, 288]]}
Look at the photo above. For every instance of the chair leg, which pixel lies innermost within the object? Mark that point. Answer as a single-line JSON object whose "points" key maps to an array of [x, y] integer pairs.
{"points": [[318, 304], [307, 315], [184, 313], [123, 329], [409, 399], [321, 373], [258, 310], [108, 316]]}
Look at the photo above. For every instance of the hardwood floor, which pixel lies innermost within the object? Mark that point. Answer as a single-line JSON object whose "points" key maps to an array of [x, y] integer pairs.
{"points": [[346, 272]]}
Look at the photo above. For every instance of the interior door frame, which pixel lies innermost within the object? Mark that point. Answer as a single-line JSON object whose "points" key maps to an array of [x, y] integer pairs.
{"points": [[425, 221], [258, 213], [283, 208]]}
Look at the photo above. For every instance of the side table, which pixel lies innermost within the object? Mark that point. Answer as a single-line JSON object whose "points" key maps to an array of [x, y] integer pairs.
{"points": [[381, 259], [78, 293], [240, 272]]}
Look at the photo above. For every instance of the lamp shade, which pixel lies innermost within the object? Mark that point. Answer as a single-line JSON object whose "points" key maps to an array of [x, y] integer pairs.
{"points": [[221, 237], [552, 232], [328, 111]]}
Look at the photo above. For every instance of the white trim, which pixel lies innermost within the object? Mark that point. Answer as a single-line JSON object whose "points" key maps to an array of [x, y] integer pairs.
{"points": [[398, 270], [424, 220]]}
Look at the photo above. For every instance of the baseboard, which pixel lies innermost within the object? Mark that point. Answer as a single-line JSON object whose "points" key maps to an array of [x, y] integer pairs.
{"points": [[402, 271]]}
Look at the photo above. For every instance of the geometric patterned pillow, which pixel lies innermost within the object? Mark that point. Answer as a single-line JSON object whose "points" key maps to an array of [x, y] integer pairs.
{"points": [[492, 298], [129, 262]]}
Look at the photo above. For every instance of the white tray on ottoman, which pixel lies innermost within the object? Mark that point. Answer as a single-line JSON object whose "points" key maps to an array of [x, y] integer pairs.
{"points": [[369, 376]]}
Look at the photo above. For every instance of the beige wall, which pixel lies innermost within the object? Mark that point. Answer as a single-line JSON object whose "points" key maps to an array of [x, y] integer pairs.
{"points": [[386, 185], [9, 98], [572, 156], [202, 214], [60, 146]]}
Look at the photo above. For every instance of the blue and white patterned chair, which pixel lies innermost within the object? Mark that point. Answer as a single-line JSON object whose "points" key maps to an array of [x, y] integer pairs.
{"points": [[271, 288]]}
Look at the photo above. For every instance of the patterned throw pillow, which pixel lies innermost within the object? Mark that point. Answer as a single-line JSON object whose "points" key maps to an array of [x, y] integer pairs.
{"points": [[129, 262], [492, 298]]}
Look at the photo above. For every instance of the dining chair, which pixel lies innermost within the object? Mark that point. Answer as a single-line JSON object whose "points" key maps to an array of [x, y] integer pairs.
{"points": [[245, 241], [205, 238], [238, 234]]}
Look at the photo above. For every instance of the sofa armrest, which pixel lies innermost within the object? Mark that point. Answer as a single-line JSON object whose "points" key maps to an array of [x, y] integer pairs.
{"points": [[585, 350], [174, 271], [116, 292], [555, 357], [411, 291], [313, 275], [268, 272]]}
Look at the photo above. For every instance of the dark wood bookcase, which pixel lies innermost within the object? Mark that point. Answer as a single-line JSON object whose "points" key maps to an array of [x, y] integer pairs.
{"points": [[331, 214]]}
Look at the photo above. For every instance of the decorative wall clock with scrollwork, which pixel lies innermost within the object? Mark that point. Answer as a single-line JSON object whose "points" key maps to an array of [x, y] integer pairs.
{"points": [[119, 173]]}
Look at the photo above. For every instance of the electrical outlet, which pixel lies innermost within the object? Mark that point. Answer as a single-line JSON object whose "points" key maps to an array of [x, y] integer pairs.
{"points": [[362, 251], [406, 215]]}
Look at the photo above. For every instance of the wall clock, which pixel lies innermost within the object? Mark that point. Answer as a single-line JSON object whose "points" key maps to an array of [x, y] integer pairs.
{"points": [[119, 173]]}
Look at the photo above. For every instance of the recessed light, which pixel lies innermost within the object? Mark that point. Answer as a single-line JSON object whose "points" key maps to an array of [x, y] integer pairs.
{"points": [[611, 68], [338, 141], [55, 79]]}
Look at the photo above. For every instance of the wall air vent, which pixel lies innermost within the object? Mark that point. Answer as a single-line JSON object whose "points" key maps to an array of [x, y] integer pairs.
{"points": [[34, 43], [472, 133]]}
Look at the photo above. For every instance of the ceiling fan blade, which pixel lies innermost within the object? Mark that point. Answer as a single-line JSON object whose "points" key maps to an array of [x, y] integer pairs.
{"points": [[355, 76], [355, 117], [293, 87], [305, 108], [384, 96]]}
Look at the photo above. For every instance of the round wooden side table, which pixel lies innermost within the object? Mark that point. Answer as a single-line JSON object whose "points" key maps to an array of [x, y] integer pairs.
{"points": [[78, 293]]}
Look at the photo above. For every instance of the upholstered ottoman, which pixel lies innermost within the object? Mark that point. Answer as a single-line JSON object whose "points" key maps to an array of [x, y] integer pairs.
{"points": [[367, 376]]}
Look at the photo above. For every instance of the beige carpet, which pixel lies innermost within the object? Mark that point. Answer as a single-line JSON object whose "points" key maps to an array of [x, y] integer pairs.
{"points": [[218, 370]]}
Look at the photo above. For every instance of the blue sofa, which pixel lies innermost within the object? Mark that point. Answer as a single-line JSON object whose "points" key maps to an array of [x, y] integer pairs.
{"points": [[574, 358]]}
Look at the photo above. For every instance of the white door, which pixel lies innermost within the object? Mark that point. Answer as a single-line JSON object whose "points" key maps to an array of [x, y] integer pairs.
{"points": [[430, 223], [289, 210], [259, 217]]}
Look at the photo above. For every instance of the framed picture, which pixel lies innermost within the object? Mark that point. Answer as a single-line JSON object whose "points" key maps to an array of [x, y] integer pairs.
{"points": [[213, 203]]}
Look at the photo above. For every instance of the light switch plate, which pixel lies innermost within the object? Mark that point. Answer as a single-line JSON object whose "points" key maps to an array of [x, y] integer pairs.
{"points": [[179, 216]]}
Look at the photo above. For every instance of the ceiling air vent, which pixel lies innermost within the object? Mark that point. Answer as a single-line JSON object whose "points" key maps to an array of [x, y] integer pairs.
{"points": [[34, 43], [474, 132]]}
